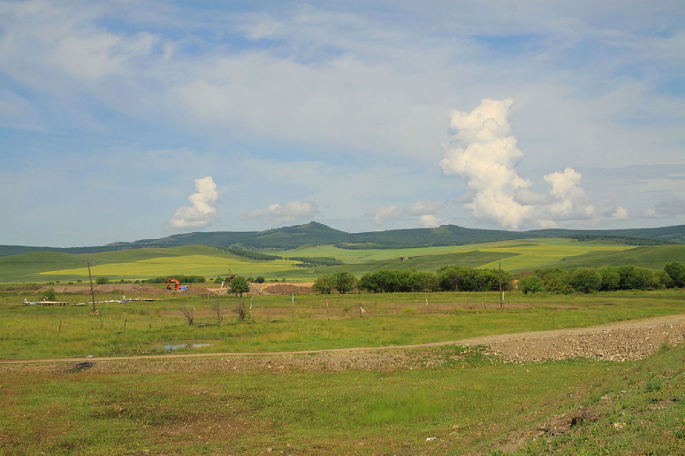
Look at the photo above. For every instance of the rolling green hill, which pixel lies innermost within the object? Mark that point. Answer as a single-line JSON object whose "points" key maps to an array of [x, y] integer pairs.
{"points": [[315, 234], [132, 264], [514, 255], [654, 257]]}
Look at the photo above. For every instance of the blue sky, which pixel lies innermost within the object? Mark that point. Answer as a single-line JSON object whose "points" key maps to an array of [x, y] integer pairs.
{"points": [[126, 120]]}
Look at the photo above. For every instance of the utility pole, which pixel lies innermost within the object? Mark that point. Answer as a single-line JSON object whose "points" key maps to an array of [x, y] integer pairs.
{"points": [[500, 285], [92, 292]]}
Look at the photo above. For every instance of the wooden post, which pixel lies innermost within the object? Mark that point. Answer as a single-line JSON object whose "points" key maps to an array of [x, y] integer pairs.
{"points": [[501, 295], [92, 292]]}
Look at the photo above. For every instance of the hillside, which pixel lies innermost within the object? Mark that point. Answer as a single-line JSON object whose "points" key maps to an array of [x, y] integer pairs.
{"points": [[314, 233], [654, 257]]}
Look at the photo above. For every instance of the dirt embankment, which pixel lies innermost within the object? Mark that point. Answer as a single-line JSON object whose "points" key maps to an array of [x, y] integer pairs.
{"points": [[628, 340], [269, 289]]}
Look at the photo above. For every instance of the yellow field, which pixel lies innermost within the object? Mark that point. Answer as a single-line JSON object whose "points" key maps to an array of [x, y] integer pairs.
{"points": [[203, 265]]}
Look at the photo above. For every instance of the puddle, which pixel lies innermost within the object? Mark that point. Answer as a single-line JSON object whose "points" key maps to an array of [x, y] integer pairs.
{"points": [[181, 346]]}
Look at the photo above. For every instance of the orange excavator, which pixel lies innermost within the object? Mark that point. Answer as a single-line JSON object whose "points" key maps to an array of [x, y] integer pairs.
{"points": [[178, 286]]}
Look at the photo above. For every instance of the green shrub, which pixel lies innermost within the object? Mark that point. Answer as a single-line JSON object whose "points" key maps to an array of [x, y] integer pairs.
{"points": [[50, 295], [676, 271], [324, 284], [531, 284], [102, 280], [586, 280]]}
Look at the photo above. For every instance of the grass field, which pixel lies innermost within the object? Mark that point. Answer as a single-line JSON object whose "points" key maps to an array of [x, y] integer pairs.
{"points": [[533, 252], [133, 264], [203, 265], [462, 401], [390, 319]]}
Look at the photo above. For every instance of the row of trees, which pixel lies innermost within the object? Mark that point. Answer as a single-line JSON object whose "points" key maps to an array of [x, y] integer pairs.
{"points": [[586, 280], [446, 279], [450, 278]]}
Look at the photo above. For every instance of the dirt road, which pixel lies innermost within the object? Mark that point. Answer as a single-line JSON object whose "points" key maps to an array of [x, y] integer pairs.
{"points": [[627, 340]]}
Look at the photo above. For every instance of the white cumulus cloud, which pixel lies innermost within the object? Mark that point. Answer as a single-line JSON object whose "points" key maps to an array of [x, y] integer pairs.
{"points": [[289, 212], [425, 210], [621, 213], [429, 221], [484, 152], [202, 209]]}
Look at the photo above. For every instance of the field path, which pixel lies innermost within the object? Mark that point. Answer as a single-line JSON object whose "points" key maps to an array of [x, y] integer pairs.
{"points": [[626, 340]]}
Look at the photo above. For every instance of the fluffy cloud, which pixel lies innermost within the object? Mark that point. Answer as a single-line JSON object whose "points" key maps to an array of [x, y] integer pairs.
{"points": [[484, 152], [202, 209], [430, 221], [424, 209], [621, 213], [286, 213], [667, 207]]}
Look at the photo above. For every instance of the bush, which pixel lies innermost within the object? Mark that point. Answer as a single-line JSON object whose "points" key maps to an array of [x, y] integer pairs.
{"points": [[586, 280], [324, 284], [531, 284], [611, 280], [102, 280], [50, 295], [641, 278], [345, 282], [239, 285], [676, 271], [259, 279]]}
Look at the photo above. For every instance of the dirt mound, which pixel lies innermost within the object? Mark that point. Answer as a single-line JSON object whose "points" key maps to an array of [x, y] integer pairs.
{"points": [[281, 288], [106, 288]]}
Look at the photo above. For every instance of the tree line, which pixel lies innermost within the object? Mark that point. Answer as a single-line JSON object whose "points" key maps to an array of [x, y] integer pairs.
{"points": [[552, 280], [587, 280]]}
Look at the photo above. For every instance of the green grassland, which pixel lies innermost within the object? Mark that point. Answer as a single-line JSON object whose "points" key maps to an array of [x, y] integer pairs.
{"points": [[136, 328], [470, 403], [540, 251], [653, 257], [515, 256], [466, 404], [132, 264]]}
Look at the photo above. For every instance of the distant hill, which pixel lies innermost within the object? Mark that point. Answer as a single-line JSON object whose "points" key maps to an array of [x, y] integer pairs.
{"points": [[314, 233]]}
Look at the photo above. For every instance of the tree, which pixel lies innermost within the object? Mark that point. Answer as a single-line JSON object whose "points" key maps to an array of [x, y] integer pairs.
{"points": [[345, 282], [324, 284], [641, 278], [676, 272], [531, 284], [611, 280], [50, 295], [239, 286], [586, 280]]}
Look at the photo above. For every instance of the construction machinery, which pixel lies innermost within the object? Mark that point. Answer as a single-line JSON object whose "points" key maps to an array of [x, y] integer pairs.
{"points": [[177, 287]]}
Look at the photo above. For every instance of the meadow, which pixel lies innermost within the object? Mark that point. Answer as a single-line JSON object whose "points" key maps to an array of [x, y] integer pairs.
{"points": [[451, 401], [429, 400], [313, 322]]}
